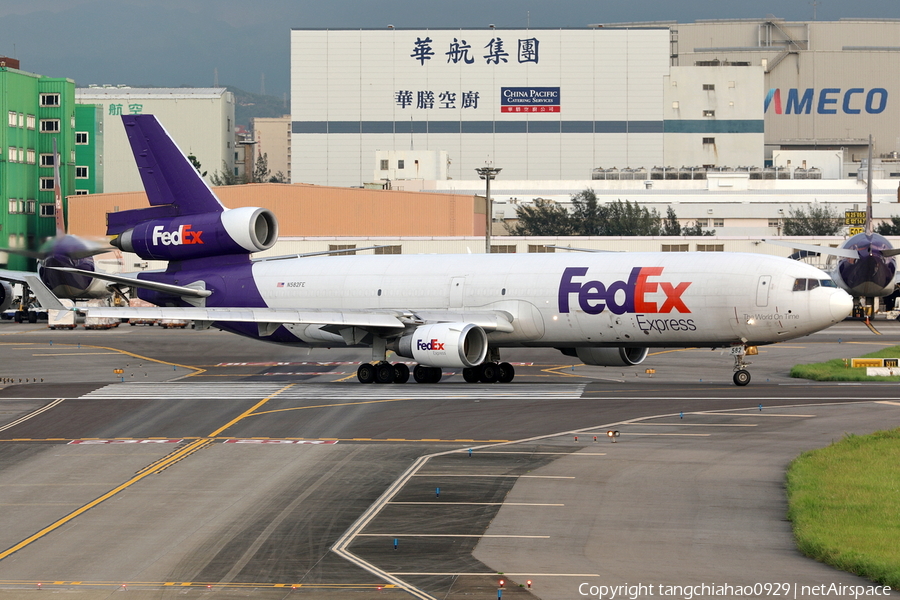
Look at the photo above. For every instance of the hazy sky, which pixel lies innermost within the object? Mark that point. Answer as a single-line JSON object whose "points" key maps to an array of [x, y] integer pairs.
{"points": [[174, 42]]}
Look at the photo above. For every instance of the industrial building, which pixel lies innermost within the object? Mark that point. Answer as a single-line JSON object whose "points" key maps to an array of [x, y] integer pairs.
{"points": [[201, 120]]}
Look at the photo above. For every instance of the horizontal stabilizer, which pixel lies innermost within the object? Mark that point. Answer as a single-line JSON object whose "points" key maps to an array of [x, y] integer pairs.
{"points": [[177, 290]]}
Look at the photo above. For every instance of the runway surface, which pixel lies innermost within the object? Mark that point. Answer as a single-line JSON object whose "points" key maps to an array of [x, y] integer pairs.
{"points": [[172, 462]]}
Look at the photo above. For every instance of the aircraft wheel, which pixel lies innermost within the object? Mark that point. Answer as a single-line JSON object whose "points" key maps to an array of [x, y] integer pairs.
{"points": [[490, 372], [401, 373], [507, 372], [422, 374], [365, 373], [384, 372], [18, 316], [470, 374], [741, 377], [32, 317]]}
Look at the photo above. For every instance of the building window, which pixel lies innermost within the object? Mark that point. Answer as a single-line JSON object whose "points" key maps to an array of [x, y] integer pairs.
{"points": [[709, 87], [710, 247], [709, 113], [702, 222], [539, 248], [48, 210], [389, 250], [29, 156], [49, 99], [81, 138], [21, 154], [29, 207], [350, 247], [675, 247], [47, 160], [12, 154], [384, 165], [709, 141], [774, 223], [81, 172], [13, 119], [401, 164], [82, 192], [30, 121], [503, 249], [49, 125], [718, 222], [13, 206], [46, 183]]}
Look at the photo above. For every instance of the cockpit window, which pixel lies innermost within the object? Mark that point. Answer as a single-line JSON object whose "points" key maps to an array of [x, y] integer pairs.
{"points": [[804, 285]]}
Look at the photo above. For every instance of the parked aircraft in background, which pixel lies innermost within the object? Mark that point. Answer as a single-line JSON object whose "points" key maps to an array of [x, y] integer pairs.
{"points": [[866, 265], [63, 250], [445, 311]]}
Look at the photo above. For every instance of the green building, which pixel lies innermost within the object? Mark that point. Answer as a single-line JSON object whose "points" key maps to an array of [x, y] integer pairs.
{"points": [[38, 111], [88, 149]]}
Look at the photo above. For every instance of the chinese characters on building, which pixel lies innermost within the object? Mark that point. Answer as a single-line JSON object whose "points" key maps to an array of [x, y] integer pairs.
{"points": [[459, 51], [115, 110], [427, 99]]}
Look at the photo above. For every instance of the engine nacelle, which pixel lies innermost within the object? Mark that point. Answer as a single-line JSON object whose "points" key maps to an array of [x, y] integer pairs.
{"points": [[235, 231], [608, 357], [6, 295], [454, 345]]}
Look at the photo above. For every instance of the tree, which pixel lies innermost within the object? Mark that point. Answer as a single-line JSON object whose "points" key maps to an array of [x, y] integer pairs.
{"points": [[589, 217], [819, 220], [225, 177], [628, 218], [670, 225], [196, 164], [696, 229], [278, 177], [261, 172], [544, 217], [892, 228]]}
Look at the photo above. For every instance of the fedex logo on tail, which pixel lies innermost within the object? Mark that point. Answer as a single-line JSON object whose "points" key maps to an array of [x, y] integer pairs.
{"points": [[181, 236], [621, 296], [430, 345]]}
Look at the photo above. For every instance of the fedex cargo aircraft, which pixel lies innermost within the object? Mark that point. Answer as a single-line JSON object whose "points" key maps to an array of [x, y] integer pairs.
{"points": [[446, 311]]}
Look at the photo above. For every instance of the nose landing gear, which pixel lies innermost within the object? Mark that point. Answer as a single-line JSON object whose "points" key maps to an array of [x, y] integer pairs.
{"points": [[741, 374]]}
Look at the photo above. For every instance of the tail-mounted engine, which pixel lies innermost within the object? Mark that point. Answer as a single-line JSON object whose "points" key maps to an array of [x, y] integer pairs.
{"points": [[237, 231], [454, 345], [608, 357]]}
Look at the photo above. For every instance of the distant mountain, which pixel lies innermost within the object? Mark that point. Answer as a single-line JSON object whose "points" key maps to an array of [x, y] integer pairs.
{"points": [[249, 105]]}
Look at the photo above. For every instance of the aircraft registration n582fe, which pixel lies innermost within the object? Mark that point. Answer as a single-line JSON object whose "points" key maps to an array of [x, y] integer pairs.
{"points": [[446, 311]]}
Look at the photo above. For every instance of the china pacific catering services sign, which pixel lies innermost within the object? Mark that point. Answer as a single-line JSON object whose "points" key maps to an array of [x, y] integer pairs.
{"points": [[529, 100]]}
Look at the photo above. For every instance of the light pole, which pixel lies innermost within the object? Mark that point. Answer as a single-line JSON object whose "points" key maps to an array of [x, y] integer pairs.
{"points": [[487, 173]]}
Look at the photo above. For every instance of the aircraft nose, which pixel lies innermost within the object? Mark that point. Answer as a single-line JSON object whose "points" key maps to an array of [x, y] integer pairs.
{"points": [[841, 305]]}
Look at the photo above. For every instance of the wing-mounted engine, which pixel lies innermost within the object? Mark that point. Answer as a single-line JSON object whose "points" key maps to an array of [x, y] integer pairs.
{"points": [[608, 357], [6, 295], [456, 345], [237, 231]]}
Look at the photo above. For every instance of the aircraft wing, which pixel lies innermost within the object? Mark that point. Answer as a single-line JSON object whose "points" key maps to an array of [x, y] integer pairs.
{"points": [[14, 276], [842, 252], [333, 319]]}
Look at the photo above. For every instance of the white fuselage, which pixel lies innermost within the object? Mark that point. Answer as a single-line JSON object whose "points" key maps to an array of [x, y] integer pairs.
{"points": [[570, 299]]}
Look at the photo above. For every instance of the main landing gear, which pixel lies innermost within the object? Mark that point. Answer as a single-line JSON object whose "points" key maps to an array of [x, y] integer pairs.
{"points": [[385, 372], [741, 374]]}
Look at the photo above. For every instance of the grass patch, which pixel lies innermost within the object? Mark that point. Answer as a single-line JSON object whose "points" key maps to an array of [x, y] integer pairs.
{"points": [[837, 369], [843, 502]]}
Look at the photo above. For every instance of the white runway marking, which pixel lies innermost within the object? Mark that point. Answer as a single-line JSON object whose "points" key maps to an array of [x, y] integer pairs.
{"points": [[221, 391]]}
